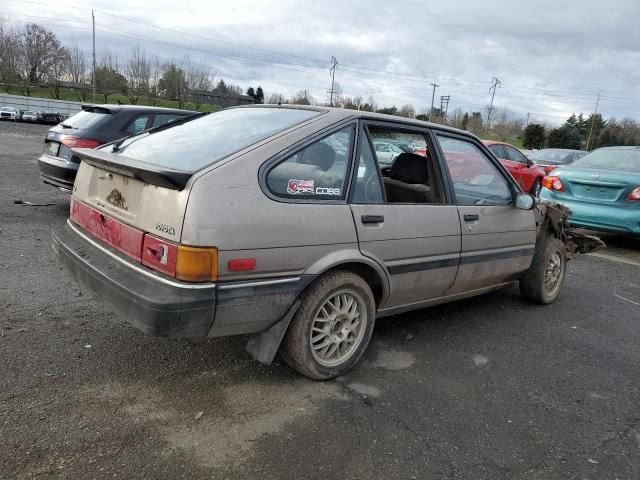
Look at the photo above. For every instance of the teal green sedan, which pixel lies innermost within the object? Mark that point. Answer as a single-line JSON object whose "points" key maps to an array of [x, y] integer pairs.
{"points": [[602, 189]]}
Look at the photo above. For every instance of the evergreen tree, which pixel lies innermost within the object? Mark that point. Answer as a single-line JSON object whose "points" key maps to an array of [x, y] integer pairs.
{"points": [[533, 136], [465, 121], [259, 95]]}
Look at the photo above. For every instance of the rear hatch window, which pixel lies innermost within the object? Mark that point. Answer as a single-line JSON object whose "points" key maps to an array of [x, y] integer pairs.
{"points": [[87, 118], [624, 160], [201, 142]]}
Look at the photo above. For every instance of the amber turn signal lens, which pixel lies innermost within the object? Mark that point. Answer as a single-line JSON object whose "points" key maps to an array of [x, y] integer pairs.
{"points": [[194, 264]]}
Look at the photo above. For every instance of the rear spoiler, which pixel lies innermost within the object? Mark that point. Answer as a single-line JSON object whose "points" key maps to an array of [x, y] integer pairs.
{"points": [[145, 172]]}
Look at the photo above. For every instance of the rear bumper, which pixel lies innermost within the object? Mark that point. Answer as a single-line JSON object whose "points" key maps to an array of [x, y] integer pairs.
{"points": [[157, 305], [605, 218], [57, 171]]}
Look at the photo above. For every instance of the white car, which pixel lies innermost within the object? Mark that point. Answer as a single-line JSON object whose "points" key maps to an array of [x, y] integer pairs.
{"points": [[9, 113], [386, 152], [30, 116]]}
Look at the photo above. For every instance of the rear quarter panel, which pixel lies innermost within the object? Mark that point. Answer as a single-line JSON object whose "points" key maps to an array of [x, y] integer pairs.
{"points": [[227, 209]]}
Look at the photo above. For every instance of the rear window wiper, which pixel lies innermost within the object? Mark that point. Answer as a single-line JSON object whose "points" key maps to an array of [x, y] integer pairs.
{"points": [[116, 146], [64, 125]]}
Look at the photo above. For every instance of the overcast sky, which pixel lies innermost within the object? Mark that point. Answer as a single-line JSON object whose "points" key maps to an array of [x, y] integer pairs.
{"points": [[552, 57]]}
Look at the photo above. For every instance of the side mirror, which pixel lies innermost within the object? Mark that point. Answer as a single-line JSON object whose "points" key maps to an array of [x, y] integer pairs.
{"points": [[524, 201]]}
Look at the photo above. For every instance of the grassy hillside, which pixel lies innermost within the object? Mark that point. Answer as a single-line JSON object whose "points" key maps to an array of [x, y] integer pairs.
{"points": [[515, 141]]}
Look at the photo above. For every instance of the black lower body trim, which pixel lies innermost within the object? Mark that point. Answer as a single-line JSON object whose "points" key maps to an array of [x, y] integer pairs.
{"points": [[452, 262]]}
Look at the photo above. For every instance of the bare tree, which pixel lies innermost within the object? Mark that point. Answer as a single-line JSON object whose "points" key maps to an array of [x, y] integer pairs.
{"points": [[58, 71], [108, 79], [303, 97], [79, 70], [9, 56], [137, 72], [407, 111], [154, 79], [39, 51], [199, 81], [277, 98]]}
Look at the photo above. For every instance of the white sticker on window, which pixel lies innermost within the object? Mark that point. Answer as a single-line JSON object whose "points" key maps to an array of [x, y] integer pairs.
{"points": [[361, 171], [327, 191]]}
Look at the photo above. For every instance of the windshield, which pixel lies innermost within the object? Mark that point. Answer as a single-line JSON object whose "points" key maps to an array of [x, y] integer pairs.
{"points": [[86, 119], [203, 141], [626, 160], [552, 156]]}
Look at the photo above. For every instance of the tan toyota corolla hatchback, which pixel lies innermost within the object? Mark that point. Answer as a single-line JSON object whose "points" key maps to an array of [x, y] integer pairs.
{"points": [[282, 222]]}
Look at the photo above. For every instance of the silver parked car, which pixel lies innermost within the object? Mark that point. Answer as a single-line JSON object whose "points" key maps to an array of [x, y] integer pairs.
{"points": [[257, 220]]}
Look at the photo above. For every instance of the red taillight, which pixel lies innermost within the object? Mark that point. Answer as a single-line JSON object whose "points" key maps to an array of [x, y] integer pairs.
{"points": [[190, 264], [159, 255], [549, 168], [553, 183], [76, 142], [635, 194]]}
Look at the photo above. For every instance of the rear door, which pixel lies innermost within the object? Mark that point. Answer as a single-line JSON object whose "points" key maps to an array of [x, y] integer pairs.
{"points": [[498, 240], [418, 242]]}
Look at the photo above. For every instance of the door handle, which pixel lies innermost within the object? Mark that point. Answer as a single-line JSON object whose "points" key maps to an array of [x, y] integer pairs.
{"points": [[471, 217], [372, 218]]}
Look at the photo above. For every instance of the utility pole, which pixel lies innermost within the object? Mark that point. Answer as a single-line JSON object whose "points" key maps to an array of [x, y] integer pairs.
{"points": [[444, 105], [593, 119], [495, 83], [332, 71], [527, 124], [433, 97], [93, 21]]}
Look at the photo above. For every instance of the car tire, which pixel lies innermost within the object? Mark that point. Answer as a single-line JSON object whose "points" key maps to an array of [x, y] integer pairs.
{"points": [[544, 279], [537, 188], [327, 315]]}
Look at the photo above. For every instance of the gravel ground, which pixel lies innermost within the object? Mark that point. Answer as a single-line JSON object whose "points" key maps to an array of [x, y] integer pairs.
{"points": [[486, 388]]}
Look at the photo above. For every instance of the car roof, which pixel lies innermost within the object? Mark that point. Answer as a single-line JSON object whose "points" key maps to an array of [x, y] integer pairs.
{"points": [[622, 147], [339, 114], [497, 142], [559, 150], [140, 108]]}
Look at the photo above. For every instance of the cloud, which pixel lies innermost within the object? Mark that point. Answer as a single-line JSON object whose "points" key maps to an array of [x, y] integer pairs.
{"points": [[552, 57]]}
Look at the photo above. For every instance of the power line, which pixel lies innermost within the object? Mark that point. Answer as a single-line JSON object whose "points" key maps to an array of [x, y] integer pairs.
{"points": [[332, 72], [495, 84], [593, 120], [433, 96]]}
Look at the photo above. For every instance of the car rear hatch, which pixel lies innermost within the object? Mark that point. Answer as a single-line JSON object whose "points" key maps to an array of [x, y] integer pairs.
{"points": [[75, 132], [138, 210], [601, 186]]}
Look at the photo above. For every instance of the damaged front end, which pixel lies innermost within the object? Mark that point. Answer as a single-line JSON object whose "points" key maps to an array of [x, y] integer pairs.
{"points": [[551, 219]]}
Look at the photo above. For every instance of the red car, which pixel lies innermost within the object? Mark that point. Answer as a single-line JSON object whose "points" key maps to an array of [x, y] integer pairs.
{"points": [[527, 174]]}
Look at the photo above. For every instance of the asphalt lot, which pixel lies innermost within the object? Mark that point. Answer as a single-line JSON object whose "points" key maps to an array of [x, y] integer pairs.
{"points": [[486, 388]]}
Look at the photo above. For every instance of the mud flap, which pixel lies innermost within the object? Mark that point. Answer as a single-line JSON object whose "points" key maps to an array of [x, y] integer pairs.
{"points": [[264, 346]]}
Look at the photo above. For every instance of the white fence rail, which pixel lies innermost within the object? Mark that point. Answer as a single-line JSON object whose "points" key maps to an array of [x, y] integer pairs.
{"points": [[39, 104]]}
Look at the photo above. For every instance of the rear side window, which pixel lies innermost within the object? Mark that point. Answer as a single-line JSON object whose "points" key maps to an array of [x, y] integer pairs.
{"points": [[514, 155], [206, 140], [162, 118], [318, 171], [138, 124], [498, 151], [87, 119]]}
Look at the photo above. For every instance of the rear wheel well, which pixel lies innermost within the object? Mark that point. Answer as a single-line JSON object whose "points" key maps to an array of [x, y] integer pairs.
{"points": [[368, 274]]}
